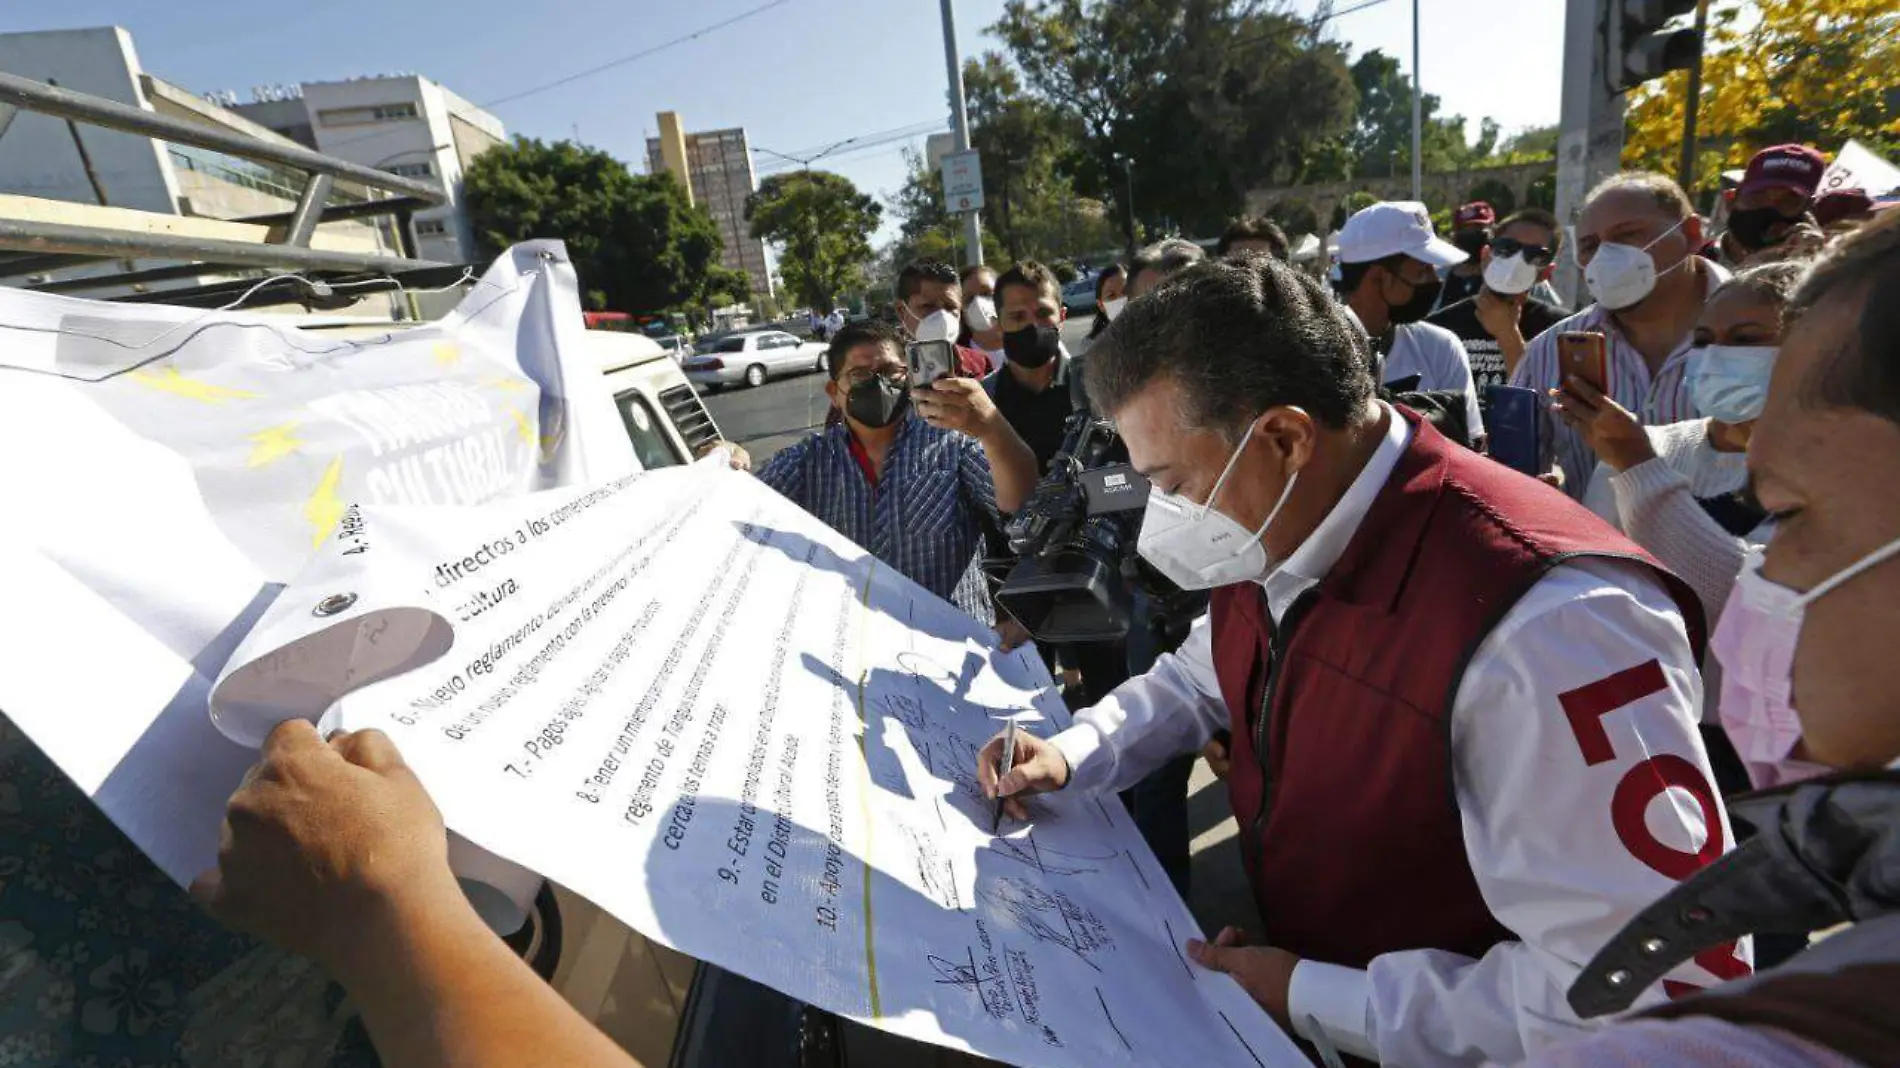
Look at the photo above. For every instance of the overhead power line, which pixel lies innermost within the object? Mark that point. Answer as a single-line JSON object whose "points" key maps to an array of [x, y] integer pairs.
{"points": [[642, 54], [848, 146]]}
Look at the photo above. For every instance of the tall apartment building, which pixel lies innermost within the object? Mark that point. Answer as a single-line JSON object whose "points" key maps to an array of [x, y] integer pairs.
{"points": [[715, 167], [404, 124]]}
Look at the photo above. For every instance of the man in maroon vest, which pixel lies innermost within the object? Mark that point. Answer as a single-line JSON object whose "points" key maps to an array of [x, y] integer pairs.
{"points": [[1463, 709]]}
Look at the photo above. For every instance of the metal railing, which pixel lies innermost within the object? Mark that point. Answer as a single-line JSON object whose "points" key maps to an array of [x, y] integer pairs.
{"points": [[45, 245]]}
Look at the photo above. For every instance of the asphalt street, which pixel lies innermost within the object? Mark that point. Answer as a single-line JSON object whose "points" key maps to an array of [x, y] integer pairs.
{"points": [[782, 411]]}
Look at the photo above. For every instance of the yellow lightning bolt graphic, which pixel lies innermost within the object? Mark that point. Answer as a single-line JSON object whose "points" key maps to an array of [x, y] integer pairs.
{"points": [[523, 427], [505, 385], [324, 509], [446, 353], [273, 443], [172, 380]]}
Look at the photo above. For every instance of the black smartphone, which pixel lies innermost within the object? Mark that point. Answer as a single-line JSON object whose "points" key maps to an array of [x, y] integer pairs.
{"points": [[929, 361]]}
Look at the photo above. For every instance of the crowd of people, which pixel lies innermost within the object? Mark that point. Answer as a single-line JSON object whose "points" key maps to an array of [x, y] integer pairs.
{"points": [[1483, 730]]}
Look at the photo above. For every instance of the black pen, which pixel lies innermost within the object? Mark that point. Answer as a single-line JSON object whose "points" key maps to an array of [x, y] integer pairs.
{"points": [[1009, 761]]}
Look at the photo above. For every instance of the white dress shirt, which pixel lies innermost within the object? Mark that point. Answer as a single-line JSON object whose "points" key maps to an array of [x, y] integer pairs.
{"points": [[1539, 830]]}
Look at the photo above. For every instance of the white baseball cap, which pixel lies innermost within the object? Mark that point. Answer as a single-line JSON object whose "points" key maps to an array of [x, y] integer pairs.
{"points": [[1391, 227]]}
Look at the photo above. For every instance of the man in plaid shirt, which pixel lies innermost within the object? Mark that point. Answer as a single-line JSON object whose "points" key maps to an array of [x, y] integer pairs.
{"points": [[910, 470]]}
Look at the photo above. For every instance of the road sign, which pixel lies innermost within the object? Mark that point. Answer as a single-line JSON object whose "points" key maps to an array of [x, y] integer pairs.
{"points": [[963, 181]]}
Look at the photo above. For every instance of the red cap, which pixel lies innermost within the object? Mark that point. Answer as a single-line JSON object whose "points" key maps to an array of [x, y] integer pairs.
{"points": [[1476, 213], [1795, 167], [1841, 203]]}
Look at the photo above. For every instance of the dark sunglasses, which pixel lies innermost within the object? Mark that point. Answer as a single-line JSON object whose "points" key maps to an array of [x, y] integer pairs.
{"points": [[1535, 255]]}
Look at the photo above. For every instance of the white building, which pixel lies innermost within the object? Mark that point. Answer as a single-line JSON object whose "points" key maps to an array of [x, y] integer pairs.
{"points": [[404, 124], [45, 160]]}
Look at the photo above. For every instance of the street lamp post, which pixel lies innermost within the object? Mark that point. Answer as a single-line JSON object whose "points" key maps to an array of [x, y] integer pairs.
{"points": [[1418, 117], [1128, 200]]}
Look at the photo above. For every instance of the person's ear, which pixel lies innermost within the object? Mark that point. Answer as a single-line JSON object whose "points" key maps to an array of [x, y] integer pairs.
{"points": [[1484, 255], [1062, 312], [1692, 229], [1289, 434], [835, 391]]}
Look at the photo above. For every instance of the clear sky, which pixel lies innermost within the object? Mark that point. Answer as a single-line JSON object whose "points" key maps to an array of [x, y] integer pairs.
{"points": [[799, 76]]}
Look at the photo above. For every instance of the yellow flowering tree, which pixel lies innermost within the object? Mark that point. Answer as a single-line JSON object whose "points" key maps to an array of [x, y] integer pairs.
{"points": [[1816, 72]]}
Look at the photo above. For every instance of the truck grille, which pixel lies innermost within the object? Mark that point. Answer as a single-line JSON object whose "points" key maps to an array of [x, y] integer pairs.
{"points": [[689, 414]]}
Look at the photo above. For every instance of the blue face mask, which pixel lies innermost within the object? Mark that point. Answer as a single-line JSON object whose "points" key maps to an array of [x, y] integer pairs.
{"points": [[1729, 383]]}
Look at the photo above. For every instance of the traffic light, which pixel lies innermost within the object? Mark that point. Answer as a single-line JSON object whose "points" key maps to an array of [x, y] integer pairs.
{"points": [[1641, 44]]}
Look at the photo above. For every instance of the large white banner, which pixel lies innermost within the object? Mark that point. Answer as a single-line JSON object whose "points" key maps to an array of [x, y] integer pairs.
{"points": [[165, 471], [685, 698]]}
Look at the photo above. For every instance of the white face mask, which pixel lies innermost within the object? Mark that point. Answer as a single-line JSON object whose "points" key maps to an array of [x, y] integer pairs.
{"points": [[980, 314], [937, 326], [1112, 308], [1509, 275], [1620, 276], [1198, 547]]}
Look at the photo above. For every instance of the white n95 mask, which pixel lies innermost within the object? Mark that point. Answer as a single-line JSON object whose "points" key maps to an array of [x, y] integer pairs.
{"points": [[980, 313], [937, 326], [1620, 276], [1510, 275], [1198, 547], [1112, 308]]}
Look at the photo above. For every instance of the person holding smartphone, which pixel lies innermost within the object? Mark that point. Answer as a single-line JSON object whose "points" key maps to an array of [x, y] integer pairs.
{"points": [[911, 470], [1680, 490], [1636, 240]]}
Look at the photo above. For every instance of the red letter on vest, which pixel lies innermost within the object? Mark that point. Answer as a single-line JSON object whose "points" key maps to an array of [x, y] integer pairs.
{"points": [[1641, 786], [1586, 706]]}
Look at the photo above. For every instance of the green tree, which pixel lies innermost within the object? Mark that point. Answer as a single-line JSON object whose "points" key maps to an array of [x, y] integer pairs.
{"points": [[1777, 71], [636, 244], [822, 225], [1381, 140], [1251, 94]]}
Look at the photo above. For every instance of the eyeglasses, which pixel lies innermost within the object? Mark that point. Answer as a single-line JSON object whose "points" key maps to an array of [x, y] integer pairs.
{"points": [[1536, 255], [858, 376]]}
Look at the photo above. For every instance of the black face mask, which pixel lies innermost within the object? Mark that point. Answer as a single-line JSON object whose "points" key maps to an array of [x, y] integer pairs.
{"points": [[1470, 242], [1424, 297], [1033, 345], [877, 402], [1751, 227]]}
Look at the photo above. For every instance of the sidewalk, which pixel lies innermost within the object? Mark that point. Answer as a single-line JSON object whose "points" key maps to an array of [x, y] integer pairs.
{"points": [[1220, 894]]}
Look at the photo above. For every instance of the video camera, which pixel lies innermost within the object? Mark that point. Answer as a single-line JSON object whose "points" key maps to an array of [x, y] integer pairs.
{"points": [[1075, 565]]}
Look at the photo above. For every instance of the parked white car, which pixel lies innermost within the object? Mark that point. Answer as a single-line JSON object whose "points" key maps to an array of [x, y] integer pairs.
{"points": [[752, 358]]}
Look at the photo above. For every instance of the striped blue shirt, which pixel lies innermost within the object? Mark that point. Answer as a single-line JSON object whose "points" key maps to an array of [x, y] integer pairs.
{"points": [[1656, 399], [922, 516]]}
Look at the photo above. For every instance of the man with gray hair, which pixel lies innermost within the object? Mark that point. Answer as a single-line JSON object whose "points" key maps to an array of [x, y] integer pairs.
{"points": [[1453, 694], [1637, 238]]}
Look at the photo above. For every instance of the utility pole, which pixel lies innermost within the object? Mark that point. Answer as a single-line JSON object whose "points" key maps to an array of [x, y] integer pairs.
{"points": [[1610, 47], [960, 122], [1418, 117], [1685, 171], [1590, 141]]}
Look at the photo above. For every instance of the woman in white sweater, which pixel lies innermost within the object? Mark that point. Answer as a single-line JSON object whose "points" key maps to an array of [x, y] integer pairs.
{"points": [[1681, 490]]}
